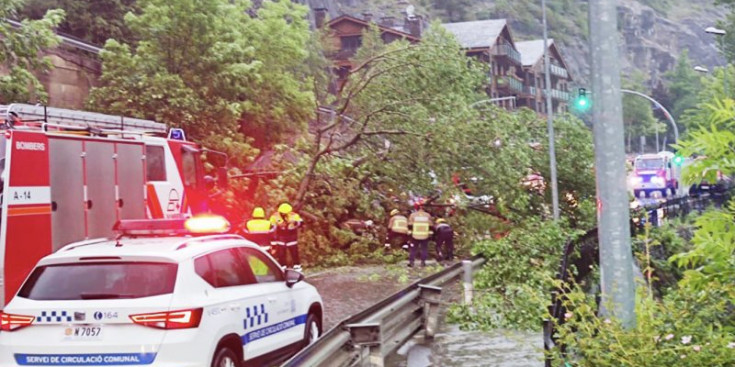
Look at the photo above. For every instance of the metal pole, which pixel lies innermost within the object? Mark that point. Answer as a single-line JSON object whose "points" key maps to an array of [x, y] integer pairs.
{"points": [[467, 282], [616, 259], [659, 105], [550, 119], [657, 147]]}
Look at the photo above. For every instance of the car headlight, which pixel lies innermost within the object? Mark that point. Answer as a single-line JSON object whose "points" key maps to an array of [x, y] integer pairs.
{"points": [[656, 180]]}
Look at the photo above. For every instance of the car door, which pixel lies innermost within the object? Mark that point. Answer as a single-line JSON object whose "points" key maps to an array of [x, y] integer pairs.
{"points": [[239, 294], [287, 324]]}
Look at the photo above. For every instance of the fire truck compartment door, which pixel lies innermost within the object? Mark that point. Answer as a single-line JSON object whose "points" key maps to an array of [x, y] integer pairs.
{"points": [[131, 184], [101, 200], [67, 191]]}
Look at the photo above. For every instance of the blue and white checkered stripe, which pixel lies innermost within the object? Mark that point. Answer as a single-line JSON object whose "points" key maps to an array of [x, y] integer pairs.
{"points": [[255, 316], [53, 316]]}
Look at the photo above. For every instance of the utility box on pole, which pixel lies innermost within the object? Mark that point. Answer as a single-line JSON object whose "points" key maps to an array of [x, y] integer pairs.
{"points": [[613, 216]]}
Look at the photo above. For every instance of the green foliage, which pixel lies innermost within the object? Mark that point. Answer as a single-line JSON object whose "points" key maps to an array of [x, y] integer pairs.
{"points": [[684, 329], [19, 51], [513, 287], [637, 113], [211, 68], [683, 85], [94, 21]]}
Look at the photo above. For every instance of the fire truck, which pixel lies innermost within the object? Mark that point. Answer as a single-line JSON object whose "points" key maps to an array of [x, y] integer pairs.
{"points": [[71, 175], [656, 173]]}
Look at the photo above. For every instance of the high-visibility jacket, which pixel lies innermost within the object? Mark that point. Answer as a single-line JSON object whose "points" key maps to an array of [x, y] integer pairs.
{"points": [[287, 226], [259, 231], [398, 224], [420, 223]]}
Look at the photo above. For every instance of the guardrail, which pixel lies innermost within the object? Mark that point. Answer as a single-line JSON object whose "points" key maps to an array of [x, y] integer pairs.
{"points": [[365, 339], [584, 251]]}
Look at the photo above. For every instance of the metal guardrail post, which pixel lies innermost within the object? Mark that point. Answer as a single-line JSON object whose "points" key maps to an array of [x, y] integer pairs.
{"points": [[368, 337], [469, 288], [431, 298]]}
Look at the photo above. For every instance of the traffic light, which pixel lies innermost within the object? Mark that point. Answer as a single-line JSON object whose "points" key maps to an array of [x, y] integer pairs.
{"points": [[678, 160], [582, 102]]}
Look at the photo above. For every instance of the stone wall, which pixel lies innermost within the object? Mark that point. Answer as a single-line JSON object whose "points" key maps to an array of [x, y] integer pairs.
{"points": [[73, 75]]}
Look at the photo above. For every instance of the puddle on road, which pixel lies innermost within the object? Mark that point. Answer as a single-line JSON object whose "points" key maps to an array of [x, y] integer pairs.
{"points": [[453, 347]]}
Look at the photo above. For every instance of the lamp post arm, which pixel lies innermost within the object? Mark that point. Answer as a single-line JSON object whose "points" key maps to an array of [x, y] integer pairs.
{"points": [[659, 105]]}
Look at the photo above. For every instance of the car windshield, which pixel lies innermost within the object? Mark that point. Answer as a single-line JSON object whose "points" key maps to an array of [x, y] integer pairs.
{"points": [[651, 163], [99, 281]]}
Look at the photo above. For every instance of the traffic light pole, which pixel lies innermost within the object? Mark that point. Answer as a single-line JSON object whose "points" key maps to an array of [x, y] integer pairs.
{"points": [[616, 259]]}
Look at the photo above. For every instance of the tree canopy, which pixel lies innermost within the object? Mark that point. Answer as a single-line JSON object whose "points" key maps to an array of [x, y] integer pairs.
{"points": [[19, 52], [212, 68]]}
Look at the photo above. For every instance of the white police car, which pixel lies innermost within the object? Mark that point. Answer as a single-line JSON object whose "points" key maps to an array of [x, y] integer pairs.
{"points": [[161, 301]]}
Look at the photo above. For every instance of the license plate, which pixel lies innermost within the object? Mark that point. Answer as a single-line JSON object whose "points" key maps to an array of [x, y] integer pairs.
{"points": [[82, 333], [704, 187]]}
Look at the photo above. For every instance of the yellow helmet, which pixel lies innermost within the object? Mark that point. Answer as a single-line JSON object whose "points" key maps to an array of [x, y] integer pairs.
{"points": [[258, 213], [285, 208], [441, 220], [394, 212]]}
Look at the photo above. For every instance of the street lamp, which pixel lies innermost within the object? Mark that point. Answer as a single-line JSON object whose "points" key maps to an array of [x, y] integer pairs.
{"points": [[550, 119], [720, 33], [701, 69]]}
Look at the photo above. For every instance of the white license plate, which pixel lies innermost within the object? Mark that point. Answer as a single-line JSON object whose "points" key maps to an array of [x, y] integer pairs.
{"points": [[82, 333], [704, 187]]}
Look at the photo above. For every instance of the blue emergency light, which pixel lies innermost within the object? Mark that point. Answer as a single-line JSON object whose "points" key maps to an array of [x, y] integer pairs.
{"points": [[176, 134]]}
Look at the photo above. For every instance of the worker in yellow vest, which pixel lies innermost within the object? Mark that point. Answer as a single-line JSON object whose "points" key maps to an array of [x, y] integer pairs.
{"points": [[419, 223], [287, 224], [397, 230], [260, 230]]}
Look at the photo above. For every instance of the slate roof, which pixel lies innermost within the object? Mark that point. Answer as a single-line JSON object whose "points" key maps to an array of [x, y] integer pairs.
{"points": [[532, 51], [478, 33]]}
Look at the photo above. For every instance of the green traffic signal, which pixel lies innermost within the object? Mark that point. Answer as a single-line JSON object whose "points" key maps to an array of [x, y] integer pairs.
{"points": [[582, 102], [678, 160]]}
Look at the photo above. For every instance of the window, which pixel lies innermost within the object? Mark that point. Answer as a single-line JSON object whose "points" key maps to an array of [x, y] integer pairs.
{"points": [[109, 280], [223, 269], [351, 42], [155, 163], [263, 268], [189, 165]]}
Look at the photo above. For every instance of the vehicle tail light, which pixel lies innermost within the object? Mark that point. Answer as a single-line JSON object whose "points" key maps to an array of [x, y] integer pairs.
{"points": [[182, 319], [10, 322]]}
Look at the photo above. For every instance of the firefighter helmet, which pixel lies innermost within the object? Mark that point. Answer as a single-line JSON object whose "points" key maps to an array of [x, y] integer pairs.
{"points": [[394, 212], [441, 220], [258, 213], [285, 208]]}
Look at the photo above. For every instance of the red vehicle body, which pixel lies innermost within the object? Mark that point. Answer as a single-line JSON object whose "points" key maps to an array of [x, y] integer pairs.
{"points": [[69, 176]]}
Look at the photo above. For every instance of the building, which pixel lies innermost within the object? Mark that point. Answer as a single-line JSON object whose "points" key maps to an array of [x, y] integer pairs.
{"points": [[346, 34], [490, 41], [534, 81]]}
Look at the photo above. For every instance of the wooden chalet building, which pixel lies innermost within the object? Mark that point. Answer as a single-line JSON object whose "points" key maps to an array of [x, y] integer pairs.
{"points": [[346, 34], [491, 42], [533, 95]]}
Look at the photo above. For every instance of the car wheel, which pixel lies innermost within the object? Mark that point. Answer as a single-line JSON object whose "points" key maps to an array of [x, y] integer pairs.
{"points": [[225, 357], [312, 333]]}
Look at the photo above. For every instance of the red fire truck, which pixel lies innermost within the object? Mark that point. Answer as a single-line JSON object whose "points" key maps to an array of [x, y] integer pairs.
{"points": [[70, 175]]}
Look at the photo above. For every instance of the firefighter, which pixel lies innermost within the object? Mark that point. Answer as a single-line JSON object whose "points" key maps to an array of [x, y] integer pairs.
{"points": [[287, 224], [444, 238], [419, 223], [260, 230], [397, 229]]}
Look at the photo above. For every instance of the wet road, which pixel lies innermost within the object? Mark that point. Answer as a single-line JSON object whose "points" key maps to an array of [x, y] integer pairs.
{"points": [[349, 290]]}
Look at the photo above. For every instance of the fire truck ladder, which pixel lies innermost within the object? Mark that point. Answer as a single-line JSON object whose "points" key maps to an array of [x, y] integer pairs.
{"points": [[20, 116]]}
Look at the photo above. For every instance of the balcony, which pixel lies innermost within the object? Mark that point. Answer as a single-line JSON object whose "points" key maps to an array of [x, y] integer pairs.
{"points": [[530, 90], [558, 94], [559, 71], [506, 81], [507, 50]]}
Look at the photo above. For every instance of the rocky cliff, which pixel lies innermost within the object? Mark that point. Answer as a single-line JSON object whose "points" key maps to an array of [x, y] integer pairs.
{"points": [[651, 39]]}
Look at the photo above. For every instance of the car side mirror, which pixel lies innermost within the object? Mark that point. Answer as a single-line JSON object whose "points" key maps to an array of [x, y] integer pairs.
{"points": [[293, 277]]}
